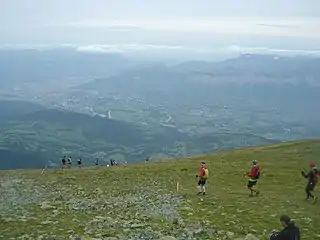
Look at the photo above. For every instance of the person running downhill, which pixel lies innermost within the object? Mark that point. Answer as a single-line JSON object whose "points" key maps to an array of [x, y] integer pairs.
{"points": [[69, 162], [63, 162], [254, 175], [79, 162], [203, 176], [312, 177]]}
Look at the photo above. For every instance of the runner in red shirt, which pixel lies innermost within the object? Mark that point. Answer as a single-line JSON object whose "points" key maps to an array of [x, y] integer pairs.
{"points": [[254, 175], [203, 176]]}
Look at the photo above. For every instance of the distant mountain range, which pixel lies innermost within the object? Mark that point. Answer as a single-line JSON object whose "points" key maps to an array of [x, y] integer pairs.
{"points": [[258, 68], [293, 80], [18, 68], [247, 68]]}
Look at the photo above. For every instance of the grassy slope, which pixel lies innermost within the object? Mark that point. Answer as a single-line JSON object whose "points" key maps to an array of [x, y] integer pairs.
{"points": [[226, 207]]}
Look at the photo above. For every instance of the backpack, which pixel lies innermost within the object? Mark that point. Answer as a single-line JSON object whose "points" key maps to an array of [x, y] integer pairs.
{"points": [[206, 174], [316, 175]]}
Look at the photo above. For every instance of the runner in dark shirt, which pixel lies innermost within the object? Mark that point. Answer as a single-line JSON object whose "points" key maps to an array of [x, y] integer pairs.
{"points": [[312, 177], [289, 232]]}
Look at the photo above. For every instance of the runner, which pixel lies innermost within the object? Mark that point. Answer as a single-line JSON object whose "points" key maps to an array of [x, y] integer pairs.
{"points": [[63, 162], [203, 176], [254, 175], [69, 162], [79, 162], [312, 177]]}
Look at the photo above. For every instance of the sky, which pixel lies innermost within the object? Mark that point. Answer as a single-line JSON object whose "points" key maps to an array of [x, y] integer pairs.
{"points": [[285, 24]]}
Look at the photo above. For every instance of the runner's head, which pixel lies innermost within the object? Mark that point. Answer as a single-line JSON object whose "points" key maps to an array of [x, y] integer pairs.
{"points": [[285, 220], [254, 162], [203, 164], [312, 165]]}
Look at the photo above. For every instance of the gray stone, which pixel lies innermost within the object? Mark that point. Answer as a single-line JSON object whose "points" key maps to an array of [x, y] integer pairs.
{"points": [[168, 238], [53, 238], [186, 208], [251, 237], [47, 222], [175, 221], [137, 225], [47, 206], [230, 235]]}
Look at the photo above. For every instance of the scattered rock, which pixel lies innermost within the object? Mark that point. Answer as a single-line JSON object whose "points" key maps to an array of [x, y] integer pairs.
{"points": [[53, 238], [47, 206], [137, 208], [198, 231], [251, 237], [186, 208], [47, 222], [230, 235], [7, 220], [168, 238], [136, 225], [175, 221]]}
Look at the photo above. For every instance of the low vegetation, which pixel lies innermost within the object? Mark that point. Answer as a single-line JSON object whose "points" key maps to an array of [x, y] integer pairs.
{"points": [[142, 202]]}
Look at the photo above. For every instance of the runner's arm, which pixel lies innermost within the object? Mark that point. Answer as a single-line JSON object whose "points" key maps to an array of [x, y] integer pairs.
{"points": [[305, 175], [280, 236]]}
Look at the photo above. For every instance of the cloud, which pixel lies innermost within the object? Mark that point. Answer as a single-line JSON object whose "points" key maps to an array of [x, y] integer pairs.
{"points": [[99, 49], [291, 27], [285, 52], [277, 26], [125, 48], [39, 47], [163, 49], [107, 25]]}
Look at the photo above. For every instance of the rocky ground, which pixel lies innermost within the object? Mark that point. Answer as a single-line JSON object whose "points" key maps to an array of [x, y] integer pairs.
{"points": [[65, 207], [142, 202]]}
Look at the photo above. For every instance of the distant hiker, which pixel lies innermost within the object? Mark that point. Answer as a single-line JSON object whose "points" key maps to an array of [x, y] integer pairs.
{"points": [[96, 162], [253, 175], [111, 162], [79, 162], [147, 159], [69, 162], [290, 231], [203, 176], [63, 161], [312, 176]]}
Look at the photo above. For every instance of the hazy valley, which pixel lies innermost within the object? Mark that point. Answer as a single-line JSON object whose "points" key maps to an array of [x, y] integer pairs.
{"points": [[107, 106]]}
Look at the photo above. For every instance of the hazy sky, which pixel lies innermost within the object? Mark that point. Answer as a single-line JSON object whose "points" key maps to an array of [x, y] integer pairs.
{"points": [[174, 22]]}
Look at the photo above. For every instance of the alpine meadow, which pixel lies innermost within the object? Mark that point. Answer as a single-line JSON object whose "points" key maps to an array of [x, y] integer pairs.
{"points": [[141, 201]]}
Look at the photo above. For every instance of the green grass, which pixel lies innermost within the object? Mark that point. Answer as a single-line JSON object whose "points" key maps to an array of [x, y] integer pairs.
{"points": [[226, 207]]}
